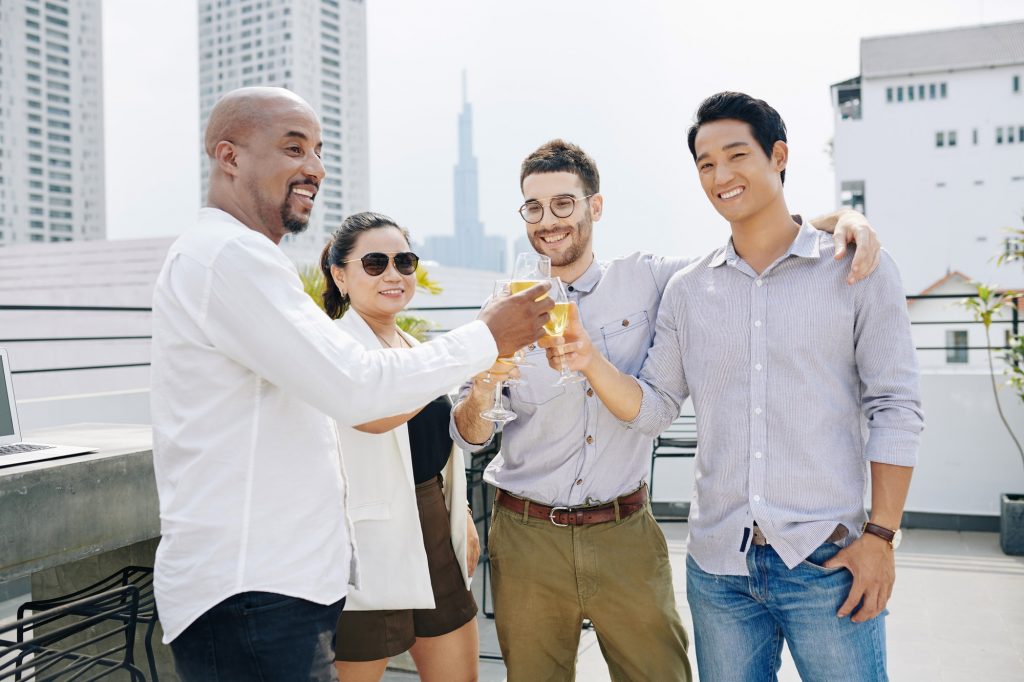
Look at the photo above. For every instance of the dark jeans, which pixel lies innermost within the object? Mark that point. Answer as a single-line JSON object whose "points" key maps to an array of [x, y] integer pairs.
{"points": [[259, 636]]}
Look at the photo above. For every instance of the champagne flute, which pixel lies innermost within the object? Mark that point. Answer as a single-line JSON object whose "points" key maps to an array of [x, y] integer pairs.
{"points": [[558, 320], [497, 412], [529, 269]]}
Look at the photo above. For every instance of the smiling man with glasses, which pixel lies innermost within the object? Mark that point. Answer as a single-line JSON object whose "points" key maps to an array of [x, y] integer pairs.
{"points": [[573, 536]]}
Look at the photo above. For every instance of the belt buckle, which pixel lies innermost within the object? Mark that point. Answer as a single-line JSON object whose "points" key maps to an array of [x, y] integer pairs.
{"points": [[551, 516]]}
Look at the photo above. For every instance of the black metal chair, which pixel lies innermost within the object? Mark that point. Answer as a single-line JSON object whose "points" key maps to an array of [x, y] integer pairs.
{"points": [[678, 440], [45, 647], [138, 577]]}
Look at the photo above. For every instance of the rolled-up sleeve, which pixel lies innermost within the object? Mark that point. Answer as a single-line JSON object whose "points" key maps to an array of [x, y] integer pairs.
{"points": [[887, 364], [453, 430]]}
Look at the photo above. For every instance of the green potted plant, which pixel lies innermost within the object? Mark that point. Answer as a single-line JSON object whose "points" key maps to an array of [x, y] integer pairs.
{"points": [[417, 327], [986, 305]]}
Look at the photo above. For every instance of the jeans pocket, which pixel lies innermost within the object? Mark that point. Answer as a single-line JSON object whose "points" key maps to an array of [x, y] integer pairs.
{"points": [[816, 559], [261, 602]]}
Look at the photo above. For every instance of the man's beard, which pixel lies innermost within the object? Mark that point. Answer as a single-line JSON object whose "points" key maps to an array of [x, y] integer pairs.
{"points": [[579, 236], [293, 223]]}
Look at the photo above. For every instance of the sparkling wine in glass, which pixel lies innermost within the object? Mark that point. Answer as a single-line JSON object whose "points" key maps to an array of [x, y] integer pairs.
{"points": [[558, 320]]}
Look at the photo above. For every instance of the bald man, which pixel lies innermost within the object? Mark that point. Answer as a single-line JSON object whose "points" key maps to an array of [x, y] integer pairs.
{"points": [[256, 552]]}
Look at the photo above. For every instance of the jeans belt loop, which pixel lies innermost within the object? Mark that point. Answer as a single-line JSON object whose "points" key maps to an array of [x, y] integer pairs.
{"points": [[526, 511], [618, 515]]}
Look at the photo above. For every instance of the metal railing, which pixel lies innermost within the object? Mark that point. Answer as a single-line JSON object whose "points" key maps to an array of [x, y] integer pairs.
{"points": [[1012, 322]]}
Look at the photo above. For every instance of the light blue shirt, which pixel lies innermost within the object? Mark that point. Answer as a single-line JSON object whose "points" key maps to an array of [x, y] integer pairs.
{"points": [[798, 380], [565, 447]]}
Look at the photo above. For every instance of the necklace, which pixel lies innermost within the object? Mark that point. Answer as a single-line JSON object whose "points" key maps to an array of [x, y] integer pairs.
{"points": [[401, 339]]}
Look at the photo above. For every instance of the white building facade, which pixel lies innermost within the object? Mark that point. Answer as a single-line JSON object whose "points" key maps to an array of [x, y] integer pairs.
{"points": [[51, 121], [317, 49], [929, 143]]}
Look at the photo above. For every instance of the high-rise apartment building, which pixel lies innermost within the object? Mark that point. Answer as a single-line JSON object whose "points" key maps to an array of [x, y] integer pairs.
{"points": [[51, 121], [315, 48], [929, 143], [470, 247]]}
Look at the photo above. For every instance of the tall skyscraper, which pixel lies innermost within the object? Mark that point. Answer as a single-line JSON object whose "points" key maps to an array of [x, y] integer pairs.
{"points": [[470, 247], [51, 121], [315, 48]]}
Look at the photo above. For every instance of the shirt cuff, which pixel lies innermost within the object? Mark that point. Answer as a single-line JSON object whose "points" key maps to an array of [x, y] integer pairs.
{"points": [[649, 421], [893, 446]]}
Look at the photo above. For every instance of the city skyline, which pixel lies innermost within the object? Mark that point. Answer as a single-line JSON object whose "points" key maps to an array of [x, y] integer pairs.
{"points": [[654, 60]]}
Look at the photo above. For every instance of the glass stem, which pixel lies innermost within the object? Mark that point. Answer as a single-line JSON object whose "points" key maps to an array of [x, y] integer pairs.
{"points": [[497, 396]]}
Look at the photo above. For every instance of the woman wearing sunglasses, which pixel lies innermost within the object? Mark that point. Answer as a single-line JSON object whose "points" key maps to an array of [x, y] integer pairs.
{"points": [[417, 545]]}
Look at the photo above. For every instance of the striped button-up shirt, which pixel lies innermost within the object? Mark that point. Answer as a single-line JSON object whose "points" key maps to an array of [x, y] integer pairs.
{"points": [[565, 447], [785, 369]]}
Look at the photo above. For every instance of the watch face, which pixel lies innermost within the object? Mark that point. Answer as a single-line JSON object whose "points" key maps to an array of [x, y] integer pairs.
{"points": [[897, 538]]}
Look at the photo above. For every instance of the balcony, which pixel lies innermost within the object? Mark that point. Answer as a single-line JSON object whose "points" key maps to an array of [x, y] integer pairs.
{"points": [[955, 612]]}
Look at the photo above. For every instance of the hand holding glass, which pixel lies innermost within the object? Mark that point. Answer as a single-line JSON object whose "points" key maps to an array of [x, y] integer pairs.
{"points": [[559, 320], [497, 412]]}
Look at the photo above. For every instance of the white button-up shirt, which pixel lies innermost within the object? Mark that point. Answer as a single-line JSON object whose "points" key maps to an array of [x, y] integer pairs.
{"points": [[247, 374]]}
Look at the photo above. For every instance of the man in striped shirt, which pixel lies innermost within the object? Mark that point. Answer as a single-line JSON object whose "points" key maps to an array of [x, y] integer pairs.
{"points": [[785, 364]]}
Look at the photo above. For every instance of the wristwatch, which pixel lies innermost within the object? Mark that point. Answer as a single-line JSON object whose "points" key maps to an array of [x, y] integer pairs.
{"points": [[893, 537]]}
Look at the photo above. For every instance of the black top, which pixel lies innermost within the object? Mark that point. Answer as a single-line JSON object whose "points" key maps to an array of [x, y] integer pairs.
{"points": [[429, 440]]}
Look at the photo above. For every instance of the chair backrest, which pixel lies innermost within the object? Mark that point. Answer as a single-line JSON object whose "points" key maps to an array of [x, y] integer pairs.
{"points": [[679, 439], [63, 644]]}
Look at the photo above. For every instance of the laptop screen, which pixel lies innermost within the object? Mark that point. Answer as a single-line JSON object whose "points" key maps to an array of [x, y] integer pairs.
{"points": [[6, 411]]}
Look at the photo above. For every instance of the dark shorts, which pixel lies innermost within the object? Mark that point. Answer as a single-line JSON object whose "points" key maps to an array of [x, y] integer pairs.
{"points": [[372, 635]]}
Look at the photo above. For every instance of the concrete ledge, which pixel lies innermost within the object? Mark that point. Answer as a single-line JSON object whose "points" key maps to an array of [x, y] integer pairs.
{"points": [[64, 510]]}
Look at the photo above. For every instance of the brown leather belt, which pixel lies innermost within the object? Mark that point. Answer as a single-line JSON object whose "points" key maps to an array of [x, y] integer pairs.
{"points": [[575, 516], [761, 541]]}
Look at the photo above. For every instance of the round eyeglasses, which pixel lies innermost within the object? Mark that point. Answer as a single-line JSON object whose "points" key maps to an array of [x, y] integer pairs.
{"points": [[561, 206]]}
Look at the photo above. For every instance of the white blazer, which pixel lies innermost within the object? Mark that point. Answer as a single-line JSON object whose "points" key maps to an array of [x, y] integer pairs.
{"points": [[382, 505]]}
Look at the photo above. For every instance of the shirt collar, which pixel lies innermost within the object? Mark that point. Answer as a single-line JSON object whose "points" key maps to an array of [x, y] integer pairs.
{"points": [[806, 245], [589, 279]]}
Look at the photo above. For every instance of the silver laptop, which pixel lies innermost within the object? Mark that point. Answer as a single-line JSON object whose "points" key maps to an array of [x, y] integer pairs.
{"points": [[13, 450]]}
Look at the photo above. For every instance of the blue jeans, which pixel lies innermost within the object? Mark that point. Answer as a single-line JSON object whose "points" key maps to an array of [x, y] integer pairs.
{"points": [[259, 636], [740, 622]]}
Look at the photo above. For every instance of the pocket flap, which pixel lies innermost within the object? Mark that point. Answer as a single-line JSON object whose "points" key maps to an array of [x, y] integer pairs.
{"points": [[371, 511]]}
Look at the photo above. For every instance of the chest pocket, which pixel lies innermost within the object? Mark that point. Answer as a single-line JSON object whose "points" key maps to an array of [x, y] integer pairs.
{"points": [[626, 340]]}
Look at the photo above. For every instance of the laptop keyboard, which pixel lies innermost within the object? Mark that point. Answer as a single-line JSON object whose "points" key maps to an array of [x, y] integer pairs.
{"points": [[18, 448]]}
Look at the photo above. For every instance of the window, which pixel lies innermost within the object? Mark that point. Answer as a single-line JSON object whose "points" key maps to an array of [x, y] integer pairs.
{"points": [[956, 346], [999, 135], [951, 138], [1016, 83], [920, 91], [974, 136], [899, 94], [940, 139], [942, 90], [1009, 134], [910, 93], [851, 195], [931, 91]]}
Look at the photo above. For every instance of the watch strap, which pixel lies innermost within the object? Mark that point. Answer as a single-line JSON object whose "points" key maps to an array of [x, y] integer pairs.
{"points": [[882, 532]]}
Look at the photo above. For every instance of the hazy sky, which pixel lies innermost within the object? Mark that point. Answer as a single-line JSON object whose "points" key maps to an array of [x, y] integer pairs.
{"points": [[620, 78]]}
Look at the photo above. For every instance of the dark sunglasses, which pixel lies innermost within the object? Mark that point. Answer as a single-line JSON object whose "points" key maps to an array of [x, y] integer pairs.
{"points": [[376, 263]]}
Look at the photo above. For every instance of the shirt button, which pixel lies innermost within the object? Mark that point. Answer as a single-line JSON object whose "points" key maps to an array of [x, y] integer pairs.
{"points": [[590, 393], [571, 288], [533, 346], [757, 323], [579, 481], [757, 455], [757, 498], [760, 282], [590, 440], [758, 367], [757, 410], [625, 323]]}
